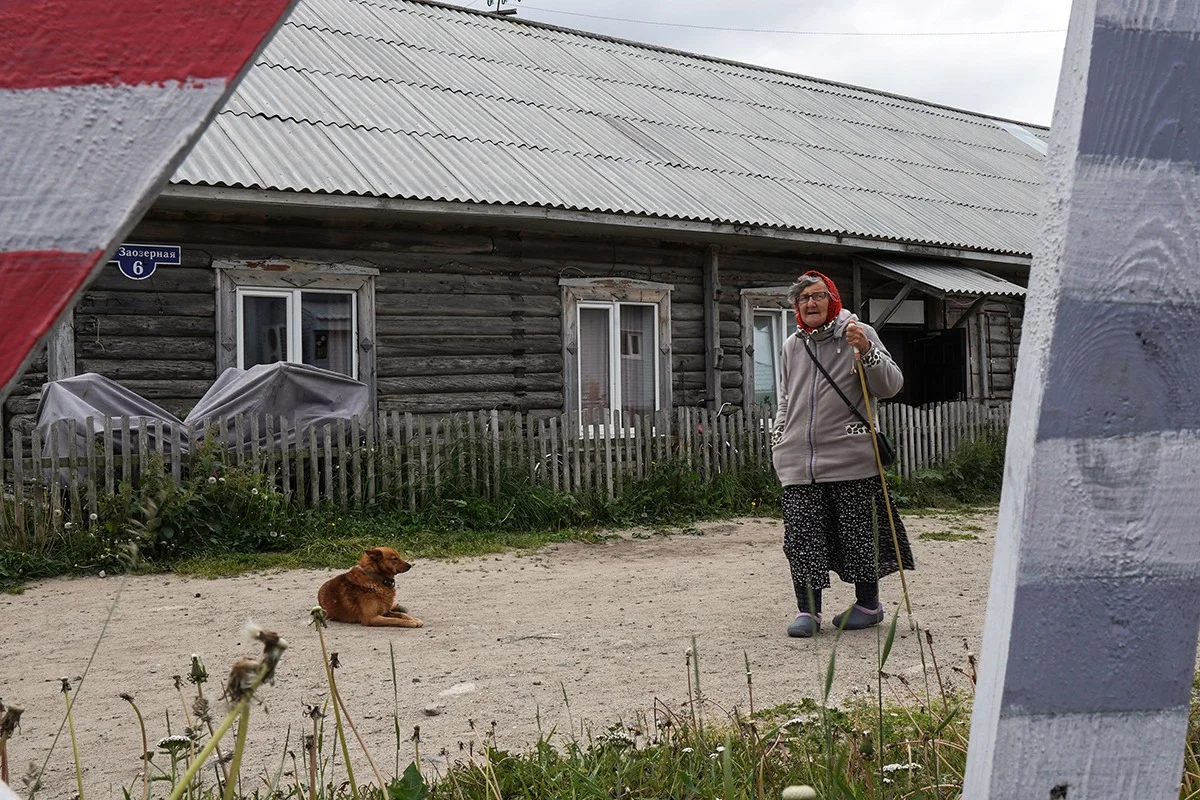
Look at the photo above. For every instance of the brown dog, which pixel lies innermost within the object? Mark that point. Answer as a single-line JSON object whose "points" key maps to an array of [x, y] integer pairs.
{"points": [[367, 593]]}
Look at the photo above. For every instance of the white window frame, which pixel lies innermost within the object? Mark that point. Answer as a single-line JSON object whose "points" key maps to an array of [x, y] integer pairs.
{"points": [[759, 300], [787, 323], [614, 350], [275, 277], [295, 301], [611, 293]]}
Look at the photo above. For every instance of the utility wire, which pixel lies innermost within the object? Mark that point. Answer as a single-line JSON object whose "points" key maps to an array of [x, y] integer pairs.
{"points": [[793, 33]]}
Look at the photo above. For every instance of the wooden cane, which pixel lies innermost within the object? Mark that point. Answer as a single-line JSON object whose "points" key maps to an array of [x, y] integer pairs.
{"points": [[862, 378]]}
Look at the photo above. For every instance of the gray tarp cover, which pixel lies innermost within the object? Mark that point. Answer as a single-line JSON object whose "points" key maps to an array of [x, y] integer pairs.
{"points": [[304, 395], [92, 395]]}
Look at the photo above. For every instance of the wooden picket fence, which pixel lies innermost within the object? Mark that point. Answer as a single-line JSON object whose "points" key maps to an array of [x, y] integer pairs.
{"points": [[401, 460], [925, 435]]}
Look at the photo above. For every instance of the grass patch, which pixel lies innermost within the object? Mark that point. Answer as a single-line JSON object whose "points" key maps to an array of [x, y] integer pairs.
{"points": [[335, 552], [972, 476], [948, 536], [228, 519]]}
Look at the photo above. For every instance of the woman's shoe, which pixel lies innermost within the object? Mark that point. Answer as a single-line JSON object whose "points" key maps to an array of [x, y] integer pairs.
{"points": [[805, 625], [856, 618]]}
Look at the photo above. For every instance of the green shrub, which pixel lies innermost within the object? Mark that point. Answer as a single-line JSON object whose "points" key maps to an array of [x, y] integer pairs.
{"points": [[973, 475]]}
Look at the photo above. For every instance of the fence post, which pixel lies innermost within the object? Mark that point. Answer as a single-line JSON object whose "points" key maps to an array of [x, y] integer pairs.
{"points": [[371, 421], [285, 461], [19, 482], [314, 465], [356, 459]]}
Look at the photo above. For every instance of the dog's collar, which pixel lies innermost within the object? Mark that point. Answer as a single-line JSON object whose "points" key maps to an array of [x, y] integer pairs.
{"points": [[386, 580]]}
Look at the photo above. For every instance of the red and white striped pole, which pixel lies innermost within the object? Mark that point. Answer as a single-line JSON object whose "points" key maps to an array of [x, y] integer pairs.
{"points": [[99, 102]]}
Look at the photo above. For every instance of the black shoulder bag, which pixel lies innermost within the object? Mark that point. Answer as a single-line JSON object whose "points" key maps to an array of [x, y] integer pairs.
{"points": [[887, 453]]}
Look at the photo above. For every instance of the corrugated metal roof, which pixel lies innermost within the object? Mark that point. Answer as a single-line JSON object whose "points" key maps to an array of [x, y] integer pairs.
{"points": [[416, 100], [946, 277]]}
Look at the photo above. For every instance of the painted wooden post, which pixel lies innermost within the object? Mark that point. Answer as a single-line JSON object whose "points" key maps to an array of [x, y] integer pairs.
{"points": [[1090, 639], [99, 102]]}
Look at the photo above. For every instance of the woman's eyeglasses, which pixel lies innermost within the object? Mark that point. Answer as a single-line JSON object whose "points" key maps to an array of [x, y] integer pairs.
{"points": [[818, 296]]}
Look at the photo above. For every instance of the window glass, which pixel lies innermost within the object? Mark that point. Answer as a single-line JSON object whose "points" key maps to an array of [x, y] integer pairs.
{"points": [[327, 331], [637, 359], [771, 329], [595, 381], [264, 329], [766, 357]]}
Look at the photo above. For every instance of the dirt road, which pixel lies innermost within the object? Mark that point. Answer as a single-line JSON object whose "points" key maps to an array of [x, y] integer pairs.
{"points": [[506, 638]]}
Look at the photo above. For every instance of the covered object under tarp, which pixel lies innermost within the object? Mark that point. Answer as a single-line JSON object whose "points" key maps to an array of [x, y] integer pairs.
{"points": [[305, 396], [91, 395]]}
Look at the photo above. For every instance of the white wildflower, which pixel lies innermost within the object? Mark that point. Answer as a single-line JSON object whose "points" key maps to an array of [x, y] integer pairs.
{"points": [[175, 742], [688, 750], [93, 516], [212, 478], [910, 766], [68, 525]]}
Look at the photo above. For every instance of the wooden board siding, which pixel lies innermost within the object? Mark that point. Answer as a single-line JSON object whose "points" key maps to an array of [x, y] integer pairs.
{"points": [[466, 319], [155, 336], [993, 337], [506, 305]]}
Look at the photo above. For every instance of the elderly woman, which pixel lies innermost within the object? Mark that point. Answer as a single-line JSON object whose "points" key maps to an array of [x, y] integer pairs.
{"points": [[833, 504]]}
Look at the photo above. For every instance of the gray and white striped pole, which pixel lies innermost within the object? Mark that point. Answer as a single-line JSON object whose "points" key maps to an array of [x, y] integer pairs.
{"points": [[1090, 641]]}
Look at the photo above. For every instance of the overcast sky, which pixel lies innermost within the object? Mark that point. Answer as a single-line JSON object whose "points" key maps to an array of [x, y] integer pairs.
{"points": [[1011, 75]]}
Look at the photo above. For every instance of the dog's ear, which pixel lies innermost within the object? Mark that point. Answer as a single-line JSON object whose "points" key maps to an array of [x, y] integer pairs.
{"points": [[374, 554]]}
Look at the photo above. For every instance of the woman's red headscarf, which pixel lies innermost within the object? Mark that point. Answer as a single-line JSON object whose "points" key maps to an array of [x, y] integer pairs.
{"points": [[835, 301]]}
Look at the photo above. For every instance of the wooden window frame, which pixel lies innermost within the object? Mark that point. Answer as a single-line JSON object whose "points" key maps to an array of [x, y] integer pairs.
{"points": [[293, 275], [575, 291], [764, 298]]}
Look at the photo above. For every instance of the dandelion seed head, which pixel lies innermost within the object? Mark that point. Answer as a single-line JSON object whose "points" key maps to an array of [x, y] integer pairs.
{"points": [[93, 516]]}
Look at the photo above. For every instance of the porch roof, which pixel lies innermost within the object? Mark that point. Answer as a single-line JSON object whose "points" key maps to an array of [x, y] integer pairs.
{"points": [[942, 277]]}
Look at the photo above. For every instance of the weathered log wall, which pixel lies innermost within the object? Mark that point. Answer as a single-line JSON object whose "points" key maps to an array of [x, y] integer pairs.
{"points": [[466, 319]]}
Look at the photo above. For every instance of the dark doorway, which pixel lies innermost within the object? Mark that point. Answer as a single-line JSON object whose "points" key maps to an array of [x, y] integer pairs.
{"points": [[934, 363], [938, 365]]}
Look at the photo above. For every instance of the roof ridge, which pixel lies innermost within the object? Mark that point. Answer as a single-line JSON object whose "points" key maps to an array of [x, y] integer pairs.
{"points": [[1021, 152], [926, 106]]}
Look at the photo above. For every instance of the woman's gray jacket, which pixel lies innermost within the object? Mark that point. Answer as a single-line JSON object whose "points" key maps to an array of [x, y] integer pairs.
{"points": [[816, 437]]}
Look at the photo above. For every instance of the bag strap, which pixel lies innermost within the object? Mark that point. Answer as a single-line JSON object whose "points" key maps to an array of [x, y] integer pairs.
{"points": [[853, 408]]}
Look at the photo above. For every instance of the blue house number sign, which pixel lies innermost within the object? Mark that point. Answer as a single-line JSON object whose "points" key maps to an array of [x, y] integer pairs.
{"points": [[137, 261]]}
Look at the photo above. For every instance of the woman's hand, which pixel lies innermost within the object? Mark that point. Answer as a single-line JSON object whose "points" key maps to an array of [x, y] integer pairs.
{"points": [[857, 339]]}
